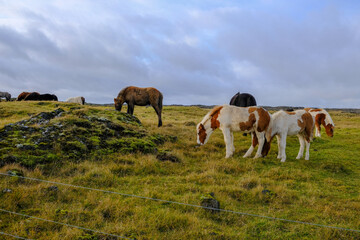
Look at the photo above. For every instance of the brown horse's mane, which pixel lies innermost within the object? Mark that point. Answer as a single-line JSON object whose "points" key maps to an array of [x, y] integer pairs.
{"points": [[122, 91]]}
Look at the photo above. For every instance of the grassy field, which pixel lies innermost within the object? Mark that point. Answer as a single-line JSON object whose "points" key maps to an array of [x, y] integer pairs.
{"points": [[323, 190]]}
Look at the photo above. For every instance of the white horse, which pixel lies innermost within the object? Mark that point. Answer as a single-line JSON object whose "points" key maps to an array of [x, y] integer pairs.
{"points": [[5, 95], [322, 117], [79, 100], [300, 123], [254, 120]]}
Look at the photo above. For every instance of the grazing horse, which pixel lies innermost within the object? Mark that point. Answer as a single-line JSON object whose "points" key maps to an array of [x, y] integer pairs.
{"points": [[23, 95], [243, 100], [229, 119], [284, 123], [79, 100], [34, 96], [48, 97], [322, 117], [5, 95], [141, 97]]}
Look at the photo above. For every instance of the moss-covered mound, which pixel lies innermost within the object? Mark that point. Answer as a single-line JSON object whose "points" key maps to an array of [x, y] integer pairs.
{"points": [[57, 136]]}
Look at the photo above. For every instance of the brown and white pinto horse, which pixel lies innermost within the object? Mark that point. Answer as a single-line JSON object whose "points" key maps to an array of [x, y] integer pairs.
{"points": [[254, 120], [284, 123], [322, 117]]}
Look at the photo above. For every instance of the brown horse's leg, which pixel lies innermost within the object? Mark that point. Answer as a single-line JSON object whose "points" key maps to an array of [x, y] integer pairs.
{"points": [[130, 108], [158, 112]]}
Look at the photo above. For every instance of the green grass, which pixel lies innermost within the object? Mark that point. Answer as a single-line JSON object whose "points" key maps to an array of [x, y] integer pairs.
{"points": [[323, 190]]}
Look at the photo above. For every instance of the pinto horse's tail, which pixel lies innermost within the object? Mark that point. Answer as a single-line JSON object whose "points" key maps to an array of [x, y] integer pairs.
{"points": [[268, 138]]}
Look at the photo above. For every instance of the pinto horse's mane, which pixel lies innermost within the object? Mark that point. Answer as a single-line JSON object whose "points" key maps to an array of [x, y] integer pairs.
{"points": [[211, 114], [328, 119]]}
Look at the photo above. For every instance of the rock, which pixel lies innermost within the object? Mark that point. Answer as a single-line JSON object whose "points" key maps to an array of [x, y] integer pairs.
{"points": [[167, 157], [6, 190], [53, 188], [15, 172], [25, 147], [79, 135], [209, 201]]}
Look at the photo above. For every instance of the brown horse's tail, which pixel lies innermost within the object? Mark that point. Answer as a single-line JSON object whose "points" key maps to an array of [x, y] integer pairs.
{"points": [[160, 103]]}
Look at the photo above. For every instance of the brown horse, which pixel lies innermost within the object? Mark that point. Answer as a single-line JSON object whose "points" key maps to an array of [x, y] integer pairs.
{"points": [[22, 96], [141, 97]]}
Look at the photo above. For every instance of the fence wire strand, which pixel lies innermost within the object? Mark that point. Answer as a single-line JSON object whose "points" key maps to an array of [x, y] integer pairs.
{"points": [[14, 236], [65, 224], [187, 204]]}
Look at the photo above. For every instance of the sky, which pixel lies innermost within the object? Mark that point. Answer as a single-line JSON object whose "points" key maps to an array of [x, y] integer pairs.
{"points": [[284, 53]]}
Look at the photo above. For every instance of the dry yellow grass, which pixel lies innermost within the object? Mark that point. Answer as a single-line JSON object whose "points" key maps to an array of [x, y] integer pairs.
{"points": [[323, 190]]}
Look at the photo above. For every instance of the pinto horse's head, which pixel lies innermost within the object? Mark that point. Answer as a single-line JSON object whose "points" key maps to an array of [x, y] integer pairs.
{"points": [[209, 123], [327, 122], [203, 133], [329, 125], [329, 128]]}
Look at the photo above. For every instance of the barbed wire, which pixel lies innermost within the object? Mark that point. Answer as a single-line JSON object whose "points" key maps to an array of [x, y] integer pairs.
{"points": [[14, 236], [65, 224], [189, 205]]}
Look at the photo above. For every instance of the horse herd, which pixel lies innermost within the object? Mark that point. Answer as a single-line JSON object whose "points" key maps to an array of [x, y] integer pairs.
{"points": [[241, 114], [264, 126], [35, 96]]}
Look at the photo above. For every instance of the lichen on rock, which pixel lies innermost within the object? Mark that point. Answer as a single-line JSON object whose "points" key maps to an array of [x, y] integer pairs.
{"points": [[58, 136]]}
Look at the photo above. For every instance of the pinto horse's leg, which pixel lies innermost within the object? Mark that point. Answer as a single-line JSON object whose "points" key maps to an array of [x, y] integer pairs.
{"points": [[307, 153], [261, 139], [317, 129], [302, 145], [232, 140], [252, 146], [279, 147], [228, 142], [283, 147]]}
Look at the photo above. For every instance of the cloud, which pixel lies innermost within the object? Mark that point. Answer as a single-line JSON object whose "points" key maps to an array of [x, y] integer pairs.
{"points": [[204, 52]]}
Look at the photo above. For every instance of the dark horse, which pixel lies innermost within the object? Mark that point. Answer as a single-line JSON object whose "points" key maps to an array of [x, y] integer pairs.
{"points": [[40, 97], [141, 97], [243, 100]]}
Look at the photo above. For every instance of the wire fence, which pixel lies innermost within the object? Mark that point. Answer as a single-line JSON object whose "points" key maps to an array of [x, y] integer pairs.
{"points": [[187, 204], [64, 224], [14, 236]]}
